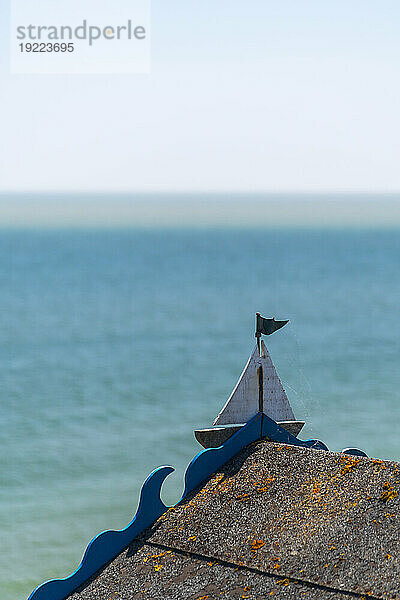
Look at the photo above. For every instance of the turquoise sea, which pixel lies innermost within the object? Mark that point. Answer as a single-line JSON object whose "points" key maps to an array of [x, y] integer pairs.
{"points": [[115, 345]]}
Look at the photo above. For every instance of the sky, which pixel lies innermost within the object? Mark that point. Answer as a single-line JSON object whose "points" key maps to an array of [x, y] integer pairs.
{"points": [[254, 96]]}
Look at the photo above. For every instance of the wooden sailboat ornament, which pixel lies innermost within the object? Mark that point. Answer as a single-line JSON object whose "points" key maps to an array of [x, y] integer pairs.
{"points": [[258, 390]]}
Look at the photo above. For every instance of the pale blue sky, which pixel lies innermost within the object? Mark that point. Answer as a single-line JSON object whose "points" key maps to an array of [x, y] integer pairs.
{"points": [[245, 96]]}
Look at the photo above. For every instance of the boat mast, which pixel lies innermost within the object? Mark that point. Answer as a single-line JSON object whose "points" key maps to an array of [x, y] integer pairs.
{"points": [[260, 369]]}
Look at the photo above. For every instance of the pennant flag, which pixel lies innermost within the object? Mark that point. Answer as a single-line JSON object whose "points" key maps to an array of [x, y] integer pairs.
{"points": [[267, 326]]}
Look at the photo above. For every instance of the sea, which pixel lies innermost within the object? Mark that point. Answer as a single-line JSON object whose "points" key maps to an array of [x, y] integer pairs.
{"points": [[115, 344]]}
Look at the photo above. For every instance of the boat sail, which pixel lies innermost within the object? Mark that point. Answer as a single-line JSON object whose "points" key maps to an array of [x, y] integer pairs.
{"points": [[244, 402], [258, 390]]}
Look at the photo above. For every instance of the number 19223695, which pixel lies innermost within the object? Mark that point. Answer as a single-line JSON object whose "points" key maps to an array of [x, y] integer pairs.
{"points": [[46, 47]]}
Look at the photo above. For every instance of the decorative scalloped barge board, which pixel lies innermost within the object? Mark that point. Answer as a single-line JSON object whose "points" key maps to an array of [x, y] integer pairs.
{"points": [[107, 545], [210, 460], [275, 433]]}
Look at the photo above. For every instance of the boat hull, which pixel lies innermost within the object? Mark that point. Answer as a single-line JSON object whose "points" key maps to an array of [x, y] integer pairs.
{"points": [[216, 436]]}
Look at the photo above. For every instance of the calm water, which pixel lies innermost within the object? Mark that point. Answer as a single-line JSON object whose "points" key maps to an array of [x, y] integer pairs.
{"points": [[115, 345]]}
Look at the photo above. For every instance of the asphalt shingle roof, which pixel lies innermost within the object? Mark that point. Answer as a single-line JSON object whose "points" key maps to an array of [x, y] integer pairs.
{"points": [[276, 521]]}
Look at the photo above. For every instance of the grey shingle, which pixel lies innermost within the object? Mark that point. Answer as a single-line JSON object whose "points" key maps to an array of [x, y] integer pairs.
{"points": [[322, 524], [152, 573]]}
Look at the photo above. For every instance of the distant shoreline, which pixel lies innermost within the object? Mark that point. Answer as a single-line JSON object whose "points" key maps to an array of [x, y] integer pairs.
{"points": [[215, 210]]}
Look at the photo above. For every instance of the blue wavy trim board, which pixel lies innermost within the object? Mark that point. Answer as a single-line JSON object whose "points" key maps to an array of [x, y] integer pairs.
{"points": [[107, 545]]}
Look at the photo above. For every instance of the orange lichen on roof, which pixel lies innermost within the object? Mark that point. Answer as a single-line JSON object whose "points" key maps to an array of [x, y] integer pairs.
{"points": [[349, 464], [216, 479], [389, 492], [316, 488], [379, 463], [263, 484], [257, 544], [243, 497]]}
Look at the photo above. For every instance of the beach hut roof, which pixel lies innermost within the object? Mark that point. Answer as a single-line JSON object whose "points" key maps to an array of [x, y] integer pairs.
{"points": [[275, 521]]}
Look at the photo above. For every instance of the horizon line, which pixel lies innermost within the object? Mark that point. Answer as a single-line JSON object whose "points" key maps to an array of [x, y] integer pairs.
{"points": [[196, 193], [199, 211]]}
